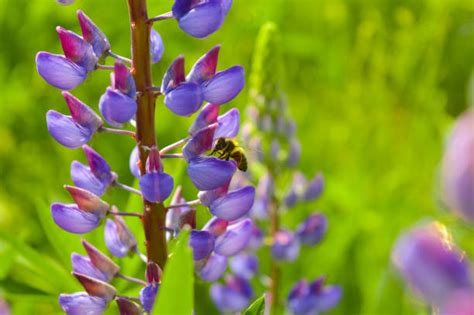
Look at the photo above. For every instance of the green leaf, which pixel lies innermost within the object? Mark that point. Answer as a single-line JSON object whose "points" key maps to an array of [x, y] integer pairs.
{"points": [[257, 307], [176, 292]]}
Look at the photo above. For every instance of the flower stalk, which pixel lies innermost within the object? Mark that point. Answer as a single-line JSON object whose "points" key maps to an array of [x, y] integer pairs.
{"points": [[154, 214]]}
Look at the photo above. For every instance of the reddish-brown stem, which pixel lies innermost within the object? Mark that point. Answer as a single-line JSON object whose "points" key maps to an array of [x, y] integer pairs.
{"points": [[153, 213]]}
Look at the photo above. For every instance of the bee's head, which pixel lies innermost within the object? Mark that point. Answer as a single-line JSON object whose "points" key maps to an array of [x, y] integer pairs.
{"points": [[220, 144]]}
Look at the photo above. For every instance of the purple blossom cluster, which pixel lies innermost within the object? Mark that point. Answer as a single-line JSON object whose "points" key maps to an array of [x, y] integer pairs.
{"points": [[228, 233]]}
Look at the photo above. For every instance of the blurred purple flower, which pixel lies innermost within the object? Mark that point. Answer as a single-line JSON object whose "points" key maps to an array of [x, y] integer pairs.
{"points": [[458, 168], [311, 231], [232, 296], [156, 46], [82, 303], [214, 268], [285, 246], [311, 298], [430, 263], [118, 237], [235, 239], [244, 265]]}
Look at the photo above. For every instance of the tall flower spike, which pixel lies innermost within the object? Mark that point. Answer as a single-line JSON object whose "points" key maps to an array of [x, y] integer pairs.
{"points": [[200, 18], [156, 186], [92, 34], [118, 237], [59, 71]]}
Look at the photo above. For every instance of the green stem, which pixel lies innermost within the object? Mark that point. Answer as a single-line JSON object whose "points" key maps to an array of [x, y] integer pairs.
{"points": [[154, 214]]}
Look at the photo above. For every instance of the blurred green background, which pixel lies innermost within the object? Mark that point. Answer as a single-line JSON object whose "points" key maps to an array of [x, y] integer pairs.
{"points": [[373, 85]]}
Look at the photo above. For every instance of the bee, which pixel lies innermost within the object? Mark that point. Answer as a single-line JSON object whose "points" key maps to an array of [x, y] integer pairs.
{"points": [[229, 149]]}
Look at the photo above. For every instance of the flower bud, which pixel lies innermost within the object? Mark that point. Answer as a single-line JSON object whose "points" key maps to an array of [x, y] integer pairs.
{"points": [[87, 201], [127, 307], [82, 114], [148, 296], [224, 85], [156, 186], [83, 265], [202, 243], [118, 237], [314, 188], [156, 46], [82, 303], [122, 79], [153, 273], [285, 246], [205, 67], [96, 287], [209, 173], [59, 71], [100, 260], [92, 34], [66, 131], [235, 239], [311, 231], [233, 296]]}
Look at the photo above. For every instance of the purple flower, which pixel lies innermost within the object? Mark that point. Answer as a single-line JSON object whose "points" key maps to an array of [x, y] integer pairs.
{"points": [[127, 307], [200, 142], [122, 80], [133, 163], [96, 287], [96, 177], [244, 265], [295, 153], [265, 191], [82, 264], [207, 116], [224, 85], [71, 218], [233, 296], [285, 246], [310, 298], [459, 302], [77, 129], [430, 263], [214, 268], [76, 49], [314, 188], [148, 296], [297, 189], [117, 107], [200, 18], [65, 2], [82, 303], [118, 237], [184, 96], [100, 261], [228, 124], [458, 168], [92, 34], [216, 226], [59, 71], [235, 239], [208, 173], [202, 243], [155, 185], [156, 46], [233, 205], [311, 231]]}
